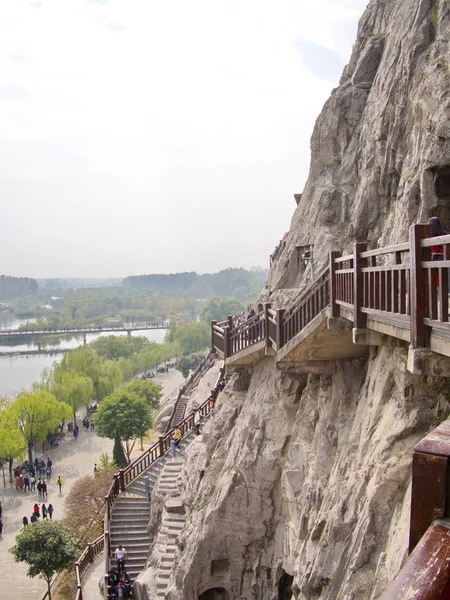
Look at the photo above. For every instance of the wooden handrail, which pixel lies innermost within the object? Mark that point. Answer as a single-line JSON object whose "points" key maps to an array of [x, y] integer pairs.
{"points": [[411, 288], [386, 250]]}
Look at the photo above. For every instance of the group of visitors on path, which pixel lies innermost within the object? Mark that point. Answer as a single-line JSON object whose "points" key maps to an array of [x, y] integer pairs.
{"points": [[32, 476], [36, 477], [119, 582], [47, 511]]}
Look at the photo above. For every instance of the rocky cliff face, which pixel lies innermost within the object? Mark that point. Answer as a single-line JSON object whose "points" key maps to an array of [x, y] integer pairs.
{"points": [[301, 481], [380, 151]]}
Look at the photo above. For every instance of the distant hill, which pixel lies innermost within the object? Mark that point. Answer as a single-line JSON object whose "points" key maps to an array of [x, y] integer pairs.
{"points": [[229, 283], [76, 283], [16, 287]]}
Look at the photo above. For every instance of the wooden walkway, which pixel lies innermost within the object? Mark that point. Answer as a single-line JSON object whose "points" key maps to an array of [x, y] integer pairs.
{"points": [[359, 299]]}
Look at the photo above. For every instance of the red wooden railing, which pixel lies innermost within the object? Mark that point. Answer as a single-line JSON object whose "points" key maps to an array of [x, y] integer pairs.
{"points": [[246, 334], [398, 284], [315, 298], [92, 550]]}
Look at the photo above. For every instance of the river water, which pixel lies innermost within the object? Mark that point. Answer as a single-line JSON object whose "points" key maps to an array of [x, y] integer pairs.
{"points": [[18, 372]]}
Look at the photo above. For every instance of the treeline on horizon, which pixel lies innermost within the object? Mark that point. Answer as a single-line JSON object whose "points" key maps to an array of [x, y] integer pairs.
{"points": [[228, 283], [17, 287]]}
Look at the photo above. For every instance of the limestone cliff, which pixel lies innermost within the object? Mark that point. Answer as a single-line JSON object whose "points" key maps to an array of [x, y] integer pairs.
{"points": [[301, 481], [380, 150]]}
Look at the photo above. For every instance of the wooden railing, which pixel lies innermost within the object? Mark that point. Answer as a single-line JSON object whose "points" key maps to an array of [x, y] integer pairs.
{"points": [[315, 298], [406, 285], [92, 550], [246, 334]]}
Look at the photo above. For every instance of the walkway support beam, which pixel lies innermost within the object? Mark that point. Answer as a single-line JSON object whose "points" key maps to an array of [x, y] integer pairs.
{"points": [[360, 318], [335, 312], [418, 297]]}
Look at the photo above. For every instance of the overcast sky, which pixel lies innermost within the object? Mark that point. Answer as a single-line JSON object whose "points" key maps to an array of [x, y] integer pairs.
{"points": [[151, 136]]}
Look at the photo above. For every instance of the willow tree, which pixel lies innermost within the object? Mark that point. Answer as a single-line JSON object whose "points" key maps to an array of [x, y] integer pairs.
{"points": [[75, 389], [12, 444], [104, 374], [36, 414]]}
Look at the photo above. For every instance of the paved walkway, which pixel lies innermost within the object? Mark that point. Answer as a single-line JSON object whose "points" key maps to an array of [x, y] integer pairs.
{"points": [[91, 579], [71, 459]]}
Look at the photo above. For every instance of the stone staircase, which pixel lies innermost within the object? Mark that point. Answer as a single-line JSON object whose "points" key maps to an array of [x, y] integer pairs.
{"points": [[172, 523], [131, 511]]}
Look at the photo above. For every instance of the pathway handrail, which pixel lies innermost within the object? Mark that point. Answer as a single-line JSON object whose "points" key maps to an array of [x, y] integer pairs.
{"points": [[404, 285], [313, 300], [92, 550], [246, 334], [184, 390]]}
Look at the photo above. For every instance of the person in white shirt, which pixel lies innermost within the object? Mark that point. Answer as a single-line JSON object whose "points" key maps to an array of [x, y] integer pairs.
{"points": [[121, 555]]}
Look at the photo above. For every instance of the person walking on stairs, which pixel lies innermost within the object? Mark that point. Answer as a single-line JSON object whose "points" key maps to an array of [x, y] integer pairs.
{"points": [[121, 556]]}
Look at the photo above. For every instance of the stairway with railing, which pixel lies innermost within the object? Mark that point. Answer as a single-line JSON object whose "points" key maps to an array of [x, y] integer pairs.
{"points": [[121, 482]]}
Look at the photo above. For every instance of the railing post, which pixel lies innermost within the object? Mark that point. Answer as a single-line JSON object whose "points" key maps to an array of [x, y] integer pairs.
{"points": [[280, 336], [417, 283], [359, 318], [90, 553], [212, 336], [267, 306], [108, 514], [335, 312], [225, 341], [121, 481], [161, 445]]}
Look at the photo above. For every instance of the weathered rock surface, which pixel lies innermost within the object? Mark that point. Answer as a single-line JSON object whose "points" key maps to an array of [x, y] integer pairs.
{"points": [[303, 480], [381, 146]]}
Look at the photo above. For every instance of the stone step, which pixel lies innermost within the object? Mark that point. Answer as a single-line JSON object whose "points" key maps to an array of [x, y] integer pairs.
{"points": [[162, 585], [131, 514], [143, 536], [162, 576], [174, 526], [175, 518]]}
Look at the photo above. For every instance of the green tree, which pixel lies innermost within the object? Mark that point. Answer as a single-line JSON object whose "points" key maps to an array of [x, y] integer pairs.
{"points": [[36, 414], [12, 445], [104, 374], [119, 457], [218, 309], [47, 547], [190, 362], [75, 389], [192, 336], [125, 415], [148, 390]]}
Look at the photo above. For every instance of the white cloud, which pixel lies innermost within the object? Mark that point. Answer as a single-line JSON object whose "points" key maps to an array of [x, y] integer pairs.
{"points": [[197, 112]]}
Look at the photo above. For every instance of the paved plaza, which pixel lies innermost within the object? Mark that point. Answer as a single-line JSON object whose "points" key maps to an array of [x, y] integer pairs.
{"points": [[72, 460]]}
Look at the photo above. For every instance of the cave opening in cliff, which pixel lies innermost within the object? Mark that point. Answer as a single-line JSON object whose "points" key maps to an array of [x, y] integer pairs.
{"points": [[285, 586], [442, 191], [217, 593]]}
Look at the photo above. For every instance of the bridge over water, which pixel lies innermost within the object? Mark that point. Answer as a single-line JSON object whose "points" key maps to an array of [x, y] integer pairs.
{"points": [[17, 333]]}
